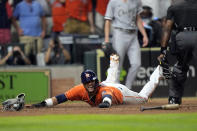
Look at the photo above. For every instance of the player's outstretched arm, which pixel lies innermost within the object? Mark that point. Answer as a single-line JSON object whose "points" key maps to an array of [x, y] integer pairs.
{"points": [[51, 101]]}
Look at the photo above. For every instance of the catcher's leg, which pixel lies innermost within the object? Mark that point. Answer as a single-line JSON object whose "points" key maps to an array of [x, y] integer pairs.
{"points": [[176, 84], [152, 83]]}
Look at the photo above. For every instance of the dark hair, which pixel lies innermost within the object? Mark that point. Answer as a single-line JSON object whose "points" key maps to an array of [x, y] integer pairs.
{"points": [[149, 9]]}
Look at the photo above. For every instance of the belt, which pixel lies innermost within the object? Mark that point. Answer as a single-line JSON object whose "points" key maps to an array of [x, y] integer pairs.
{"points": [[126, 30], [188, 29]]}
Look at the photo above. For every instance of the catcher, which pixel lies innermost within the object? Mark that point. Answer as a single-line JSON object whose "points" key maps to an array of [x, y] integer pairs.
{"points": [[106, 93]]}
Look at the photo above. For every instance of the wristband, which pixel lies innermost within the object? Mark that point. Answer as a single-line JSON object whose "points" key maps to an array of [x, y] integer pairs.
{"points": [[163, 50]]}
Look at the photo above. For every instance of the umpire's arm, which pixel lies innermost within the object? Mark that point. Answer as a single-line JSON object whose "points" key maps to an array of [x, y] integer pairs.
{"points": [[167, 29]]}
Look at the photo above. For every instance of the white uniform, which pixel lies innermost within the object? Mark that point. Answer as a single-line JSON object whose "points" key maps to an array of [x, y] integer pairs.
{"points": [[123, 16], [129, 96]]}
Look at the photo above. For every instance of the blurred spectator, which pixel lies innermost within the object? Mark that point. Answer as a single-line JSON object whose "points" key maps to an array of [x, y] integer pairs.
{"points": [[32, 26], [5, 22], [101, 7], [15, 56], [146, 14], [153, 27], [56, 54], [6, 19], [58, 16], [80, 17], [46, 5], [156, 25], [15, 2]]}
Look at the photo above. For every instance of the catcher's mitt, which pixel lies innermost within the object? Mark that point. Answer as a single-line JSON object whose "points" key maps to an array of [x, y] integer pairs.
{"points": [[15, 104], [108, 49]]}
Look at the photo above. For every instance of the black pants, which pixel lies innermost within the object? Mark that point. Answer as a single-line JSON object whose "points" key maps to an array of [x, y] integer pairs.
{"points": [[186, 47]]}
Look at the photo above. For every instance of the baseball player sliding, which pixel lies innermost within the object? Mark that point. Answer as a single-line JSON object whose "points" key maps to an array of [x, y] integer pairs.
{"points": [[106, 93]]}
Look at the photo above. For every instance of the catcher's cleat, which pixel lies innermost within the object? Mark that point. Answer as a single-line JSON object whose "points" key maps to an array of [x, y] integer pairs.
{"points": [[39, 105], [174, 100]]}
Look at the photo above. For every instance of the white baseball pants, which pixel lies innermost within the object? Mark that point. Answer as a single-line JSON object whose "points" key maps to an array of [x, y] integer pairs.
{"points": [[129, 96]]}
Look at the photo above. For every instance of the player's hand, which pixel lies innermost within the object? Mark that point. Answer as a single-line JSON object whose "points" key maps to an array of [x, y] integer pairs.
{"points": [[104, 104], [160, 57], [145, 41]]}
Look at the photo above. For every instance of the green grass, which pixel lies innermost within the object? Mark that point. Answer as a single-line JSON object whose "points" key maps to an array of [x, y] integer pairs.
{"points": [[154, 122]]}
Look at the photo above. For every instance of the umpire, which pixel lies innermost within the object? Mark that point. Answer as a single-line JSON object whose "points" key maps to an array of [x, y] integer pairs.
{"points": [[181, 17]]}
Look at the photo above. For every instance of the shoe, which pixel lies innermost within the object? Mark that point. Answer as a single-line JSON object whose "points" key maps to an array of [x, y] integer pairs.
{"points": [[174, 100], [39, 105], [114, 58]]}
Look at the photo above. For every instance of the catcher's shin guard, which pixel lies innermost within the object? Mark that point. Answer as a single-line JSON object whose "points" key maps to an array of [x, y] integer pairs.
{"points": [[167, 73]]}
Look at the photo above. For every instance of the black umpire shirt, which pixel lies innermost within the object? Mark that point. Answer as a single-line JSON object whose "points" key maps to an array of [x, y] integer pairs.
{"points": [[183, 14]]}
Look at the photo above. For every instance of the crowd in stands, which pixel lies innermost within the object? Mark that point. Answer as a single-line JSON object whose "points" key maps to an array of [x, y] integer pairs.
{"points": [[34, 20]]}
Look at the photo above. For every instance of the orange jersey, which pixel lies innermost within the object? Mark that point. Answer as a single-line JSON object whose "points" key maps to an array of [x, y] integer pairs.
{"points": [[58, 16], [79, 93], [78, 9], [101, 6]]}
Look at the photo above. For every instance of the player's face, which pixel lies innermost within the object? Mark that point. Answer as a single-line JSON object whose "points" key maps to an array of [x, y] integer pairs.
{"points": [[90, 87]]}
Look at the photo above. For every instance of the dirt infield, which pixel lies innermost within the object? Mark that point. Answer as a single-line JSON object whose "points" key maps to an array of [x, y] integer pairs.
{"points": [[189, 105]]}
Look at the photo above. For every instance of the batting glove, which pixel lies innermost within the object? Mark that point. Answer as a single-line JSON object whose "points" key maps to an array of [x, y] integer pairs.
{"points": [[39, 105], [104, 104]]}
